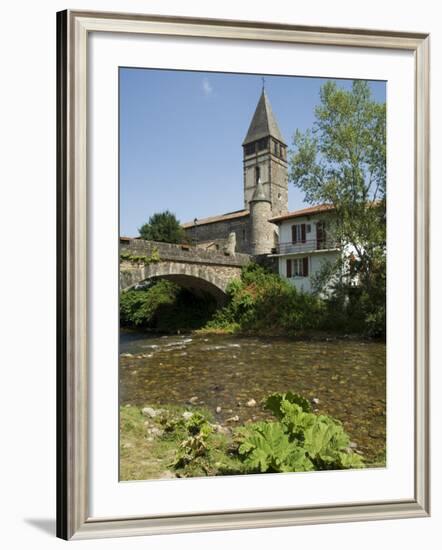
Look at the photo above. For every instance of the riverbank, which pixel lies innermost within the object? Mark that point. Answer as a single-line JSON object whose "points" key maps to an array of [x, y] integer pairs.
{"points": [[235, 331], [150, 440], [167, 442], [298, 336]]}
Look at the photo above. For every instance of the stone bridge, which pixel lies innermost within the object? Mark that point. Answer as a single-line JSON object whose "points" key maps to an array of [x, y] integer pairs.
{"points": [[194, 268]]}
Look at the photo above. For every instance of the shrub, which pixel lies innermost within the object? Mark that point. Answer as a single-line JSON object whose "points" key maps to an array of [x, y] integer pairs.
{"points": [[261, 300], [139, 307], [164, 306], [299, 441], [202, 451]]}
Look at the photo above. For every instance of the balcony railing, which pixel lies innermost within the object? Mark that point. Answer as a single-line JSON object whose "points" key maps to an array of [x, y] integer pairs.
{"points": [[309, 245]]}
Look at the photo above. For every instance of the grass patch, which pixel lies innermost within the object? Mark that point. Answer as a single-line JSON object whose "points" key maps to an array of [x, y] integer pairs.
{"points": [[167, 442], [142, 456]]}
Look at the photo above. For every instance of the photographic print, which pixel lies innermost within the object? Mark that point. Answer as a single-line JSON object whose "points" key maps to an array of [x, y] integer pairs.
{"points": [[252, 274]]}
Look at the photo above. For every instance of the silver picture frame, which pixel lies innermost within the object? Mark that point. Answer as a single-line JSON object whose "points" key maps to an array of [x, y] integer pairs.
{"points": [[73, 518]]}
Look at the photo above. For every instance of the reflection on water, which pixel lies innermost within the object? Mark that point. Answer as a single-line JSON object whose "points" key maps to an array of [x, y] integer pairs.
{"points": [[346, 378]]}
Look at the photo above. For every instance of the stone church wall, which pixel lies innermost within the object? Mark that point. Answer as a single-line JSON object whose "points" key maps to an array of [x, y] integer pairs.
{"points": [[217, 231]]}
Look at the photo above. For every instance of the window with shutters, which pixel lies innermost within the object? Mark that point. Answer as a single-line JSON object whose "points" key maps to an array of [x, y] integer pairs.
{"points": [[297, 267], [321, 236], [289, 269], [298, 233]]}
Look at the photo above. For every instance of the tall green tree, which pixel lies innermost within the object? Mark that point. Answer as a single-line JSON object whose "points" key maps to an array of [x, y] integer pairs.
{"points": [[162, 227], [341, 160]]}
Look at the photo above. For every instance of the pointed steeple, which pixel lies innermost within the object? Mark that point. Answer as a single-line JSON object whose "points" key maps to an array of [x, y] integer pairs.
{"points": [[259, 193], [263, 122]]}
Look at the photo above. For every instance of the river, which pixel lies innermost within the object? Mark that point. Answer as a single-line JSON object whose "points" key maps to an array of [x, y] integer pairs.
{"points": [[345, 378]]}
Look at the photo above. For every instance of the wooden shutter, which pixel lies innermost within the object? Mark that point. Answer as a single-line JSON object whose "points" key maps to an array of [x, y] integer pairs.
{"points": [[289, 268], [303, 232], [320, 235], [305, 266], [294, 240]]}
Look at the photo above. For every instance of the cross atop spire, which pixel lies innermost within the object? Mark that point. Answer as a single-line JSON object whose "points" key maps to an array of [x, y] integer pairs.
{"points": [[263, 83], [263, 122]]}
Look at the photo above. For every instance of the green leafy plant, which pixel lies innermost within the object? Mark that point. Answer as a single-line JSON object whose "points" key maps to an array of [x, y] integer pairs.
{"points": [[262, 301], [139, 307], [265, 447], [300, 441], [193, 456], [164, 306], [195, 445], [274, 402]]}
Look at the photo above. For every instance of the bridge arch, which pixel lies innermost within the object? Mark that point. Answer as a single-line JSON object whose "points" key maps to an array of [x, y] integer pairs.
{"points": [[195, 277]]}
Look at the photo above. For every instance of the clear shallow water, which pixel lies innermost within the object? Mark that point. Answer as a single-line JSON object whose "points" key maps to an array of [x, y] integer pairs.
{"points": [[347, 377]]}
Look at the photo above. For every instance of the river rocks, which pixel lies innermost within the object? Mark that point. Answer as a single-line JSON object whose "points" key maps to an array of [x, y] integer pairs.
{"points": [[218, 409], [233, 418], [193, 400], [218, 428], [315, 401], [154, 431], [152, 413], [126, 354], [251, 403]]}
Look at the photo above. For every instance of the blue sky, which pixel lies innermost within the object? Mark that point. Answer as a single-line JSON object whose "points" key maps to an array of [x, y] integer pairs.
{"points": [[181, 135]]}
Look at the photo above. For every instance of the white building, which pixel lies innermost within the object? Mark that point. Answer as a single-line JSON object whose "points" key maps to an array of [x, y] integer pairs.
{"points": [[304, 244]]}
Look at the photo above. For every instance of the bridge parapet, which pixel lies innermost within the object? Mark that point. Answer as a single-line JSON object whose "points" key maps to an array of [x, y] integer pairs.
{"points": [[183, 253]]}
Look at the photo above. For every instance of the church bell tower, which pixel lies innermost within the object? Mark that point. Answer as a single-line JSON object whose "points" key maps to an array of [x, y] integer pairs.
{"points": [[265, 159]]}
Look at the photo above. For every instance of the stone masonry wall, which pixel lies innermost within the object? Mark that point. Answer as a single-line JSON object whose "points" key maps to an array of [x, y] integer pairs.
{"points": [[221, 230], [184, 253], [279, 188]]}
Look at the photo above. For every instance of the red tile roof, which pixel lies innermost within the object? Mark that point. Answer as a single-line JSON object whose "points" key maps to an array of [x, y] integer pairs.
{"points": [[304, 212]]}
